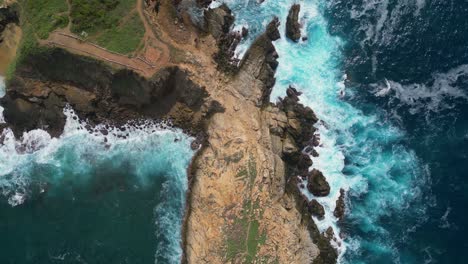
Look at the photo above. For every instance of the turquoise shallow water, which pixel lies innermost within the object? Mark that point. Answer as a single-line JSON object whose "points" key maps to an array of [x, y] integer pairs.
{"points": [[110, 196]]}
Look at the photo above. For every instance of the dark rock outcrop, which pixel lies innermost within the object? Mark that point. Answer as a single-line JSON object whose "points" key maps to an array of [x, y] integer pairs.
{"points": [[340, 206], [204, 3], [317, 184], [8, 15], [316, 209], [48, 80], [293, 28], [218, 21]]}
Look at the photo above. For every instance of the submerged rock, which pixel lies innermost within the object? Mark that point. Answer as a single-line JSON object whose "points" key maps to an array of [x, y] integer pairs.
{"points": [[317, 184], [293, 28]]}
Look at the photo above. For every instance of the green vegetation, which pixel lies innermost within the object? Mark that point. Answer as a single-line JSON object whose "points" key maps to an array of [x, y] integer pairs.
{"points": [[112, 24], [44, 16], [92, 16], [244, 236], [125, 38]]}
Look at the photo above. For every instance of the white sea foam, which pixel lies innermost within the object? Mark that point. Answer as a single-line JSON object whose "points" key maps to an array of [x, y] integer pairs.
{"points": [[435, 95]]}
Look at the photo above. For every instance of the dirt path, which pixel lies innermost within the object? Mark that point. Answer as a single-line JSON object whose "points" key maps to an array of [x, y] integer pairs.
{"points": [[154, 56]]}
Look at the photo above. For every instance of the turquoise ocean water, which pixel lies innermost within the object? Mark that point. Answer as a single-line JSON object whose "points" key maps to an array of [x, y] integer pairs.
{"points": [[93, 197]]}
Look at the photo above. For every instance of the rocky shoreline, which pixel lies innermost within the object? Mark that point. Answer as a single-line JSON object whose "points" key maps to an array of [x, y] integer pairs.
{"points": [[252, 154]]}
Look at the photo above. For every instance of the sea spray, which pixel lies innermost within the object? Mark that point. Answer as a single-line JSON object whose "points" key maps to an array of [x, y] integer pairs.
{"points": [[360, 152], [94, 173]]}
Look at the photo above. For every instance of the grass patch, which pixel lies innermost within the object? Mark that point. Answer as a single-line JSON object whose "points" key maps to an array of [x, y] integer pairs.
{"points": [[93, 16], [125, 38], [44, 16], [112, 24], [244, 238]]}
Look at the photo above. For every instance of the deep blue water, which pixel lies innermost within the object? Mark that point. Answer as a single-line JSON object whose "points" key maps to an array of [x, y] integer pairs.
{"points": [[409, 59]]}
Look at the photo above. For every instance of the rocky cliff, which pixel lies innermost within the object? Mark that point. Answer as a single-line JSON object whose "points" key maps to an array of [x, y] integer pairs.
{"points": [[46, 81], [244, 204]]}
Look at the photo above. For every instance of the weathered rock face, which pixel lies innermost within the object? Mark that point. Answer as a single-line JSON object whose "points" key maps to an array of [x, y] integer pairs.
{"points": [[317, 184], [218, 21], [293, 28], [45, 82], [316, 209]]}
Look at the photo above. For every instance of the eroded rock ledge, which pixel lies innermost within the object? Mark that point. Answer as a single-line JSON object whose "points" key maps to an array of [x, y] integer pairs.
{"points": [[48, 80]]}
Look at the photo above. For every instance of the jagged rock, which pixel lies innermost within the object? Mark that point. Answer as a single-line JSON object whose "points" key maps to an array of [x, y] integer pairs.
{"points": [[304, 162], [340, 205], [316, 209], [317, 184], [272, 30], [218, 21], [293, 28]]}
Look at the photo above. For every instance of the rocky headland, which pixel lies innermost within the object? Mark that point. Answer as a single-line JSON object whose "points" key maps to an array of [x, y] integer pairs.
{"points": [[244, 203]]}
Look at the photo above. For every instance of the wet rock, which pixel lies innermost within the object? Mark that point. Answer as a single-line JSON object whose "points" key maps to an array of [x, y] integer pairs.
{"points": [[304, 162], [317, 184], [272, 30], [293, 28], [316, 209], [244, 32], [340, 205]]}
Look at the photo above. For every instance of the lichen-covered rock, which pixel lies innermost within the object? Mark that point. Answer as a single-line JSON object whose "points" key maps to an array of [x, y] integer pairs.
{"points": [[293, 28], [317, 184]]}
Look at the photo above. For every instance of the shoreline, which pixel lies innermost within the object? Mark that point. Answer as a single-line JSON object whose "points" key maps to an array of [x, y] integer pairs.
{"points": [[235, 128]]}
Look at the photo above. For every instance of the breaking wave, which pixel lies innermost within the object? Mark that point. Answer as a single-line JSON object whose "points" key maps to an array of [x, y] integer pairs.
{"points": [[86, 159]]}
